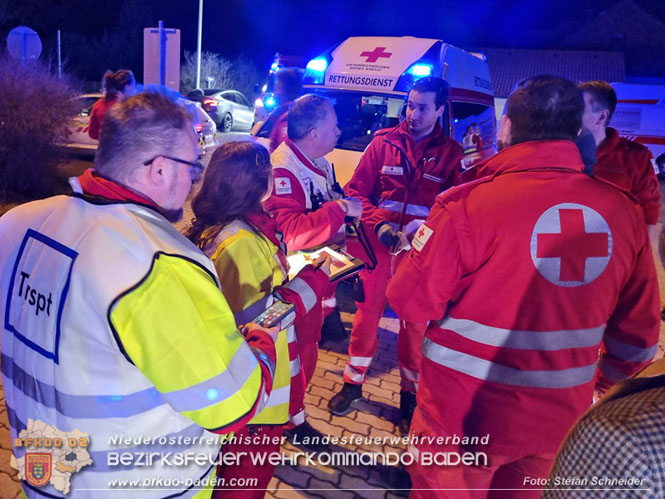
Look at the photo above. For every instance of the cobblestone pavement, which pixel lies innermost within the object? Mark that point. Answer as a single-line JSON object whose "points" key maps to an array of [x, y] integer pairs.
{"points": [[376, 417]]}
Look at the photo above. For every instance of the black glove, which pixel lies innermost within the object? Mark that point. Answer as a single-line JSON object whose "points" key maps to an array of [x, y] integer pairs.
{"points": [[387, 236]]}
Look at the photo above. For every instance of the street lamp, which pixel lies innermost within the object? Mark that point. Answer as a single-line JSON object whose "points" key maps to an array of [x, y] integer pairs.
{"points": [[198, 46]]}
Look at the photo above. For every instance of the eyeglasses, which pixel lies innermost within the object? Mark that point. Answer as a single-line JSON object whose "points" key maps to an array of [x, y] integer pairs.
{"points": [[195, 168]]}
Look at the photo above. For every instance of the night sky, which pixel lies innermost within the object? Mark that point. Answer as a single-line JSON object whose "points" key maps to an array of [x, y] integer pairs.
{"points": [[100, 34]]}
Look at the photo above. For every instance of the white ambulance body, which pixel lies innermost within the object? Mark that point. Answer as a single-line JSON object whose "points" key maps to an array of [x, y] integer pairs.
{"points": [[640, 116], [368, 78]]}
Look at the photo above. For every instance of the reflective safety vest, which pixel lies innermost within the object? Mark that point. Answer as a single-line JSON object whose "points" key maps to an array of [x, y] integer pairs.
{"points": [[250, 269], [113, 325]]}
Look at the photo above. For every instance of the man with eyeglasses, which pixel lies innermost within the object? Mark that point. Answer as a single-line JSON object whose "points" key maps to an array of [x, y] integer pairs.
{"points": [[113, 322]]}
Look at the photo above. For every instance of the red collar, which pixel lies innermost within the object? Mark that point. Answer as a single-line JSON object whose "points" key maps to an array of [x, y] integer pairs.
{"points": [[610, 142], [302, 158], [533, 155], [95, 185]]}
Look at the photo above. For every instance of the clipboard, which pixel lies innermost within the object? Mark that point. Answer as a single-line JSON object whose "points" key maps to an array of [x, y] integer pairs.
{"points": [[343, 264]]}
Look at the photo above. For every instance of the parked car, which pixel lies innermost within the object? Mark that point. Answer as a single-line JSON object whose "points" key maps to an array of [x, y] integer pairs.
{"points": [[229, 109], [78, 139], [80, 142]]}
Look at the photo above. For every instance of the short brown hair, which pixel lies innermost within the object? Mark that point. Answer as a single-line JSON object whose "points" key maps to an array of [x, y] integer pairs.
{"points": [[136, 129], [545, 108], [438, 86], [602, 95]]}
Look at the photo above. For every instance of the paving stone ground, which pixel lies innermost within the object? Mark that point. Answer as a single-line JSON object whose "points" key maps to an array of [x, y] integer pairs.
{"points": [[376, 417]]}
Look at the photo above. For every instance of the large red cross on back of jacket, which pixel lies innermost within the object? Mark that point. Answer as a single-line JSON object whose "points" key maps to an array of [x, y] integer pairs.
{"points": [[573, 245]]}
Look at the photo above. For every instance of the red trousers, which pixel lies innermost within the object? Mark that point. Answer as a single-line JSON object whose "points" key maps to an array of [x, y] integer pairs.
{"points": [[303, 353], [309, 354], [236, 476], [364, 339], [517, 476]]}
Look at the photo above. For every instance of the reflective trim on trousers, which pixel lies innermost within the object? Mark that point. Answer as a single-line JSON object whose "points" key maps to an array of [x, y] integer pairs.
{"points": [[295, 366], [305, 292], [410, 386], [81, 406], [254, 310], [499, 373], [524, 340], [628, 352], [409, 374], [214, 390], [329, 302], [415, 210], [351, 374], [297, 419], [360, 361]]}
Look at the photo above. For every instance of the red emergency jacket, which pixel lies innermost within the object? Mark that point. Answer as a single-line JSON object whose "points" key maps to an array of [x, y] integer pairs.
{"points": [[279, 130], [97, 114], [628, 165], [303, 225], [524, 274], [398, 179]]}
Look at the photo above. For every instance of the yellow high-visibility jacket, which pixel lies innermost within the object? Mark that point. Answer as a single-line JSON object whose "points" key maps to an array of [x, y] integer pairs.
{"points": [[251, 271]]}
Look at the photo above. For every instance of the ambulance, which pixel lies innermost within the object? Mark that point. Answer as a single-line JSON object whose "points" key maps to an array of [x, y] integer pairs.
{"points": [[368, 78], [640, 116]]}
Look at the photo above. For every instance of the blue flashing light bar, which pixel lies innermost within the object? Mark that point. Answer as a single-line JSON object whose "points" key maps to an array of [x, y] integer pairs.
{"points": [[319, 65], [269, 102], [420, 70], [315, 71]]}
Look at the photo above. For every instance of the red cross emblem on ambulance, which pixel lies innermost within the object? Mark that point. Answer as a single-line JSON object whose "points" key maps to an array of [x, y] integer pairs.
{"points": [[376, 54], [571, 244]]}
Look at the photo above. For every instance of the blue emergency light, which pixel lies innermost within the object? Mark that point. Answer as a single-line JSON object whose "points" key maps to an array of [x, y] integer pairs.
{"points": [[315, 71], [269, 102], [420, 70], [318, 65]]}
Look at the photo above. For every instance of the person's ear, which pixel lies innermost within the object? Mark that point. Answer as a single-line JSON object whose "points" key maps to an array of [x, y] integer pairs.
{"points": [[440, 111], [157, 171], [604, 118], [504, 132]]}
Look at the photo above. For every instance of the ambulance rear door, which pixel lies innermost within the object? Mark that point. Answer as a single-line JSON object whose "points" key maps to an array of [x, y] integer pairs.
{"points": [[472, 118]]}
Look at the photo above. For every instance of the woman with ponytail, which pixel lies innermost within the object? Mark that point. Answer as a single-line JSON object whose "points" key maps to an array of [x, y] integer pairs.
{"points": [[242, 240], [117, 84]]}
